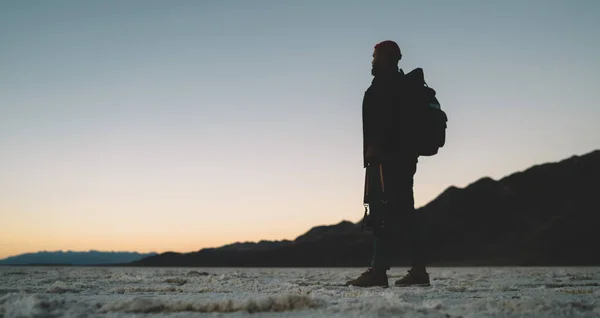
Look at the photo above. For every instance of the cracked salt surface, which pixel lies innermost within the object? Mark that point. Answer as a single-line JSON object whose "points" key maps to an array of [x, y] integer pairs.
{"points": [[294, 292]]}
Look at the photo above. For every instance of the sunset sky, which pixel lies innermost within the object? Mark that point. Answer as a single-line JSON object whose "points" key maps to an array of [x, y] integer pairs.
{"points": [[177, 125]]}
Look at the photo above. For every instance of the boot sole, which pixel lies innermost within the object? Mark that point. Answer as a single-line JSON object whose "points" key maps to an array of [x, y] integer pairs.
{"points": [[373, 286], [413, 285]]}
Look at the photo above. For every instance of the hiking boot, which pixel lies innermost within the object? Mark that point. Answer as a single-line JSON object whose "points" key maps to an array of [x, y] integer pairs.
{"points": [[418, 279], [370, 278]]}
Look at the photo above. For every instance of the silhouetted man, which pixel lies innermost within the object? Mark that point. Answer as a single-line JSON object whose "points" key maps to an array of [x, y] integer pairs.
{"points": [[390, 159]]}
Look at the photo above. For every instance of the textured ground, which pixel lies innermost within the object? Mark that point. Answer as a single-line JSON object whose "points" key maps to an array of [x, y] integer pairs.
{"points": [[197, 292]]}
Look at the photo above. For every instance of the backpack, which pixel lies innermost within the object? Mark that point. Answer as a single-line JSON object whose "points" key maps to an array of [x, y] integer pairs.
{"points": [[431, 121]]}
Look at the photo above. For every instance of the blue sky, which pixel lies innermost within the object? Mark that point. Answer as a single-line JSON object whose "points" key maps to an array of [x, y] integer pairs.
{"points": [[176, 125]]}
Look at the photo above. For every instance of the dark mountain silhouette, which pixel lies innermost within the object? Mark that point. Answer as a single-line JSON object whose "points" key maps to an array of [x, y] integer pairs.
{"points": [[251, 246], [73, 258], [546, 215]]}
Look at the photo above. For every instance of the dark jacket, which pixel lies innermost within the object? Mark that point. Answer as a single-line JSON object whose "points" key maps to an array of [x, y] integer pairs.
{"points": [[389, 117]]}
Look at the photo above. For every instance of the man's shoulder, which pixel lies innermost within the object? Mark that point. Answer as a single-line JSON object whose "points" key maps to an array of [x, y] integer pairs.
{"points": [[370, 88], [386, 86]]}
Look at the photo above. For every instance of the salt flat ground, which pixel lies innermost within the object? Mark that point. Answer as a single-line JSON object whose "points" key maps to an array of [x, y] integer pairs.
{"points": [[294, 292]]}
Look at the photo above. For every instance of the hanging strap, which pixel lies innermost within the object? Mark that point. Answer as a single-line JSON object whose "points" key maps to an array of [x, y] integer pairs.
{"points": [[381, 178]]}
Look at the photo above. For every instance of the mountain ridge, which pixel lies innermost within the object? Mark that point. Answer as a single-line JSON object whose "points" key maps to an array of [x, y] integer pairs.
{"points": [[59, 257]]}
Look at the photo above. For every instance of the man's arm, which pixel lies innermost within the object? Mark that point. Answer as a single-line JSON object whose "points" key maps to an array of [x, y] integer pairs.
{"points": [[373, 128]]}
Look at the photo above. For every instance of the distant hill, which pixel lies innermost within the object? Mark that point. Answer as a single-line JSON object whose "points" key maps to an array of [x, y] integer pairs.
{"points": [[73, 258], [546, 215]]}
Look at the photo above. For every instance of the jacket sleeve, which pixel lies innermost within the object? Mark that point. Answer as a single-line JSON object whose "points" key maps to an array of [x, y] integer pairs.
{"points": [[373, 126]]}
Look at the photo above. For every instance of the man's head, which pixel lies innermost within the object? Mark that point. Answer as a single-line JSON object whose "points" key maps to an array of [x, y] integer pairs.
{"points": [[385, 58]]}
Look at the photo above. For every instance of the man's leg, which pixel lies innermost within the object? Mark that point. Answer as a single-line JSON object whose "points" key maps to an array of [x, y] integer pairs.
{"points": [[381, 255], [380, 262], [411, 222], [378, 208], [384, 244], [387, 237], [417, 239], [417, 275]]}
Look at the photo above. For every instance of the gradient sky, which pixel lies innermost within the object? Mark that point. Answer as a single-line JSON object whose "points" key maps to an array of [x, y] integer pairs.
{"points": [[177, 125]]}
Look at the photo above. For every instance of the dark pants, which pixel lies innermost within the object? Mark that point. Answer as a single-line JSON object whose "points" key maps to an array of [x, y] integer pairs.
{"points": [[391, 199]]}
